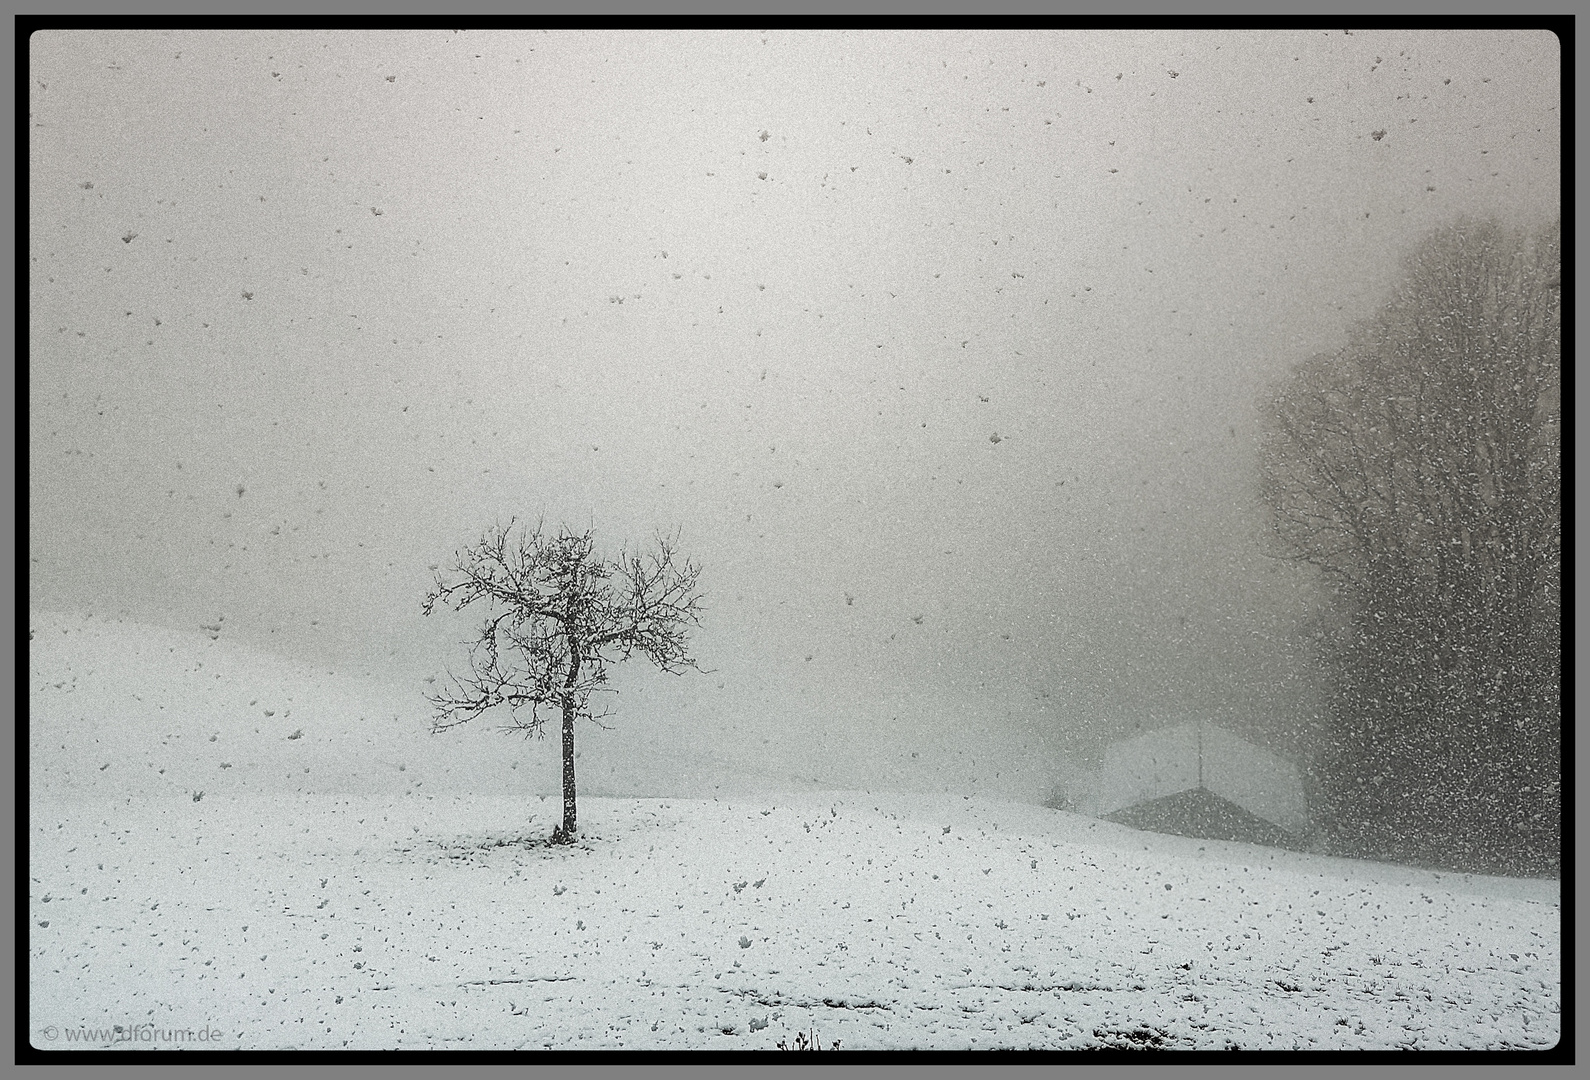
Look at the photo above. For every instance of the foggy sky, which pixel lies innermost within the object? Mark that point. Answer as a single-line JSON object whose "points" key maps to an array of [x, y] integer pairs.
{"points": [[310, 310]]}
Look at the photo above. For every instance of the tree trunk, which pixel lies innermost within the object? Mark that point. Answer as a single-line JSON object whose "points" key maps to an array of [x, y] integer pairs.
{"points": [[568, 769], [569, 709]]}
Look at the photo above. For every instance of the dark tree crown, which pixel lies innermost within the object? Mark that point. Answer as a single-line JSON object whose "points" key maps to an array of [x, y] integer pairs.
{"points": [[1419, 469], [559, 615]]}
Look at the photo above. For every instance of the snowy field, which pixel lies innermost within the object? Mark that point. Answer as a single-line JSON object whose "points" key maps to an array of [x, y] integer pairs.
{"points": [[309, 877]]}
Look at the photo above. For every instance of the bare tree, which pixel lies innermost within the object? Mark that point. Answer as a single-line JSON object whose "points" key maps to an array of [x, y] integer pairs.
{"points": [[1430, 447], [559, 616], [1420, 470]]}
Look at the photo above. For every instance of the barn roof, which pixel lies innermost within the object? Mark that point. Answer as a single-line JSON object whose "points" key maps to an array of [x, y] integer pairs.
{"points": [[1199, 756]]}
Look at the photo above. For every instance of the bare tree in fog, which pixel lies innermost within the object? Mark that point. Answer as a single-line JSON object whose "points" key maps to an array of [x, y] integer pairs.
{"points": [[1420, 469], [559, 616]]}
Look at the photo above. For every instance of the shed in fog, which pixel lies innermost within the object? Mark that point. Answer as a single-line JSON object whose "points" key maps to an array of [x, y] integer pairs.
{"points": [[1199, 780]]}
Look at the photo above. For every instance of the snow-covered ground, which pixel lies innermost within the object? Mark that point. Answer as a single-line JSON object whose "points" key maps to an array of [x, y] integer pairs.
{"points": [[194, 867]]}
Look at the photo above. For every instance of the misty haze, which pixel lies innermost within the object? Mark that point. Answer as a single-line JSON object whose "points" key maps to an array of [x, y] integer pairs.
{"points": [[837, 540]]}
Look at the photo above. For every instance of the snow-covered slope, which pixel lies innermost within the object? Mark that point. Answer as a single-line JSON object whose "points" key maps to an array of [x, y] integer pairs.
{"points": [[393, 896], [125, 709]]}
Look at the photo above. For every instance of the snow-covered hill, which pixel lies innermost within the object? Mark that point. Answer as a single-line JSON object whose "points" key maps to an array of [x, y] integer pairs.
{"points": [[195, 868]]}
